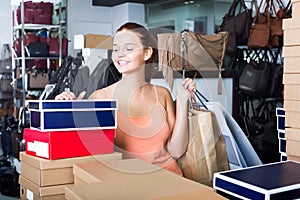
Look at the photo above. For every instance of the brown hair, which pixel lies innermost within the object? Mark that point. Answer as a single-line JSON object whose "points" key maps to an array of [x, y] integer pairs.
{"points": [[147, 40]]}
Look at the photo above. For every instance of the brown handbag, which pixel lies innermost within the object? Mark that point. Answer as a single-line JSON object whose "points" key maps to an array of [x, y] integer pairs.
{"points": [[276, 39], [259, 36], [37, 80], [260, 31]]}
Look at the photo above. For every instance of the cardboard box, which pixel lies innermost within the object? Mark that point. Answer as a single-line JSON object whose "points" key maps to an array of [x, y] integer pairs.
{"points": [[93, 41], [194, 195], [67, 144], [131, 179], [291, 92], [45, 172], [290, 51], [296, 9], [54, 115], [290, 105], [291, 37], [270, 181], [98, 41], [31, 191], [292, 136], [291, 65], [291, 79], [105, 191], [293, 158], [292, 119], [290, 23]]}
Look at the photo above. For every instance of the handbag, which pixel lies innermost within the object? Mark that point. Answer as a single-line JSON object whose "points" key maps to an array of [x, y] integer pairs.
{"points": [[5, 83], [5, 62], [206, 151], [276, 39], [34, 80], [261, 30], [254, 79], [38, 49], [237, 22]]}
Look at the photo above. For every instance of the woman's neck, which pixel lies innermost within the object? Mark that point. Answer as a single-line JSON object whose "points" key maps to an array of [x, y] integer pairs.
{"points": [[132, 80]]}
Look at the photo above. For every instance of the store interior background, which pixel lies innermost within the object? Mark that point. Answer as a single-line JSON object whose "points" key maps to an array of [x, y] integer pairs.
{"points": [[84, 16]]}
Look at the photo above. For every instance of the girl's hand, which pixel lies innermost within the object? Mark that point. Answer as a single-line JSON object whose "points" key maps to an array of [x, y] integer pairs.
{"points": [[189, 84], [65, 96]]}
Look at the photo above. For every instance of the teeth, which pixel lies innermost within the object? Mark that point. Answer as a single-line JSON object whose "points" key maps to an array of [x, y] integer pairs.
{"points": [[122, 62]]}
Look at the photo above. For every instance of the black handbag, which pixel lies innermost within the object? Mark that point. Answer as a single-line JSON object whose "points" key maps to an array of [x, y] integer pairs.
{"points": [[237, 22], [38, 49], [255, 78]]}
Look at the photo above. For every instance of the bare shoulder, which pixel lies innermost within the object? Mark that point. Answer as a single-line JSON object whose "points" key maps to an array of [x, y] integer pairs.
{"points": [[104, 93], [163, 93]]}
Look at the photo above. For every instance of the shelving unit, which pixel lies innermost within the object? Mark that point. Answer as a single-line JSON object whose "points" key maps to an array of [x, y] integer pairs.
{"points": [[19, 31]]}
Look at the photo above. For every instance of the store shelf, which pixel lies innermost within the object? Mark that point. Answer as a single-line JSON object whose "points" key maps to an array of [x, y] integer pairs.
{"points": [[35, 26]]}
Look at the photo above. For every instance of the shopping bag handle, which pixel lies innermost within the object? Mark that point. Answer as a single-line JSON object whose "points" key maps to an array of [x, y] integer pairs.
{"points": [[199, 96]]}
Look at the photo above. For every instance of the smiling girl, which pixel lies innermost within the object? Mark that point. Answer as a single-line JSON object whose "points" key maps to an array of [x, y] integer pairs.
{"points": [[147, 126]]}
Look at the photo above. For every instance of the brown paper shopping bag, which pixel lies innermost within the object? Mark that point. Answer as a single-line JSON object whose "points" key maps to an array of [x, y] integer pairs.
{"points": [[206, 152]]}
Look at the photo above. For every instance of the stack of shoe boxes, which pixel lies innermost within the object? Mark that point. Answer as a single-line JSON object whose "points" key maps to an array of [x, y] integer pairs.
{"points": [[61, 134], [291, 81]]}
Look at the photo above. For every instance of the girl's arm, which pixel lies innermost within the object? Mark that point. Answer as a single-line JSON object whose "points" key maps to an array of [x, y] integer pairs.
{"points": [[178, 142]]}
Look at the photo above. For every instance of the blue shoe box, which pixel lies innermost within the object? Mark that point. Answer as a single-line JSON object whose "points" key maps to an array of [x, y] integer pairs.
{"points": [[54, 115], [275, 181], [280, 114]]}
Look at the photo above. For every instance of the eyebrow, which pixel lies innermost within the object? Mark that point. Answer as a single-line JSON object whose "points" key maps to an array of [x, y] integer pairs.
{"points": [[129, 43]]}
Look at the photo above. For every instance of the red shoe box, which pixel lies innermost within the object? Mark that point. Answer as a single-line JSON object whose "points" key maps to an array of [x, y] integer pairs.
{"points": [[66, 144]]}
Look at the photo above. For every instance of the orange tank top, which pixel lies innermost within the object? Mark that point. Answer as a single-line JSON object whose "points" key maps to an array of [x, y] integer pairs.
{"points": [[145, 137]]}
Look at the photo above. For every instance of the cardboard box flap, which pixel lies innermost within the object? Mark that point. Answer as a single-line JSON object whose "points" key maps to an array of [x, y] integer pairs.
{"points": [[44, 164], [43, 191]]}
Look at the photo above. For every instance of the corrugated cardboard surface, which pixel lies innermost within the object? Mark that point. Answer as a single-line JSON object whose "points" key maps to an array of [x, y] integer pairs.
{"points": [[292, 119], [291, 92], [290, 23], [132, 179], [31, 191], [292, 136], [290, 105], [47, 177], [114, 169], [293, 158], [291, 65], [296, 9], [98, 41], [291, 37], [291, 79], [53, 172], [291, 51], [43, 164]]}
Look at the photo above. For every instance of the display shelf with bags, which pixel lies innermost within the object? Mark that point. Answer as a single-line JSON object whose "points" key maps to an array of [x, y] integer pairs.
{"points": [[38, 49], [38, 45]]}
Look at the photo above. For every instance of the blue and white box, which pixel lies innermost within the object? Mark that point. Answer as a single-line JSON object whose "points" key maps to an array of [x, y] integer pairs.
{"points": [[61, 115], [280, 180], [280, 114]]}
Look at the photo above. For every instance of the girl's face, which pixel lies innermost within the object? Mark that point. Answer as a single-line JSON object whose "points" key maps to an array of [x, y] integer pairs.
{"points": [[128, 52]]}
